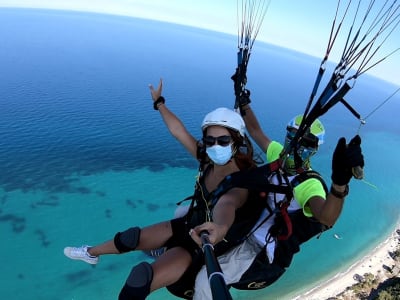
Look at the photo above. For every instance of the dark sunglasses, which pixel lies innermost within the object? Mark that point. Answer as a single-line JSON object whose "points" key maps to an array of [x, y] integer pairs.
{"points": [[309, 140], [223, 140]]}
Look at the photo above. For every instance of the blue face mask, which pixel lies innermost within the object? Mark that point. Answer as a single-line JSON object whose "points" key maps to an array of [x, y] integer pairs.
{"points": [[219, 155]]}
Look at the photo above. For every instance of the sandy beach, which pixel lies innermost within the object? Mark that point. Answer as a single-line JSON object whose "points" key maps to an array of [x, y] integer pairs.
{"points": [[371, 263]]}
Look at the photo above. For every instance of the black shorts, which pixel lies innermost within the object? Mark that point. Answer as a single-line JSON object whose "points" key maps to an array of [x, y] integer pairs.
{"points": [[183, 288], [181, 238]]}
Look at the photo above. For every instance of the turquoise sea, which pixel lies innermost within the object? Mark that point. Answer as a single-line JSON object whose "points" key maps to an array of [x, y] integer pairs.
{"points": [[84, 155]]}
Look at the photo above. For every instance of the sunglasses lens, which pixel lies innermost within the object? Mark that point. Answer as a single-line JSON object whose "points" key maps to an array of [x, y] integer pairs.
{"points": [[223, 140], [209, 141], [310, 141]]}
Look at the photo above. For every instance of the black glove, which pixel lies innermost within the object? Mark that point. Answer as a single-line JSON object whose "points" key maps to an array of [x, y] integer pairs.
{"points": [[244, 98], [345, 158]]}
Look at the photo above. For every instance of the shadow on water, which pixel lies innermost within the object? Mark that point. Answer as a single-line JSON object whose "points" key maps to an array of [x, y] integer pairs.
{"points": [[61, 175], [152, 207], [108, 213], [18, 224], [79, 278], [42, 238], [131, 203]]}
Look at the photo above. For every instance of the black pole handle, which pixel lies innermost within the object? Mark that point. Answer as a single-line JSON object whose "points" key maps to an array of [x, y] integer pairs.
{"points": [[216, 278]]}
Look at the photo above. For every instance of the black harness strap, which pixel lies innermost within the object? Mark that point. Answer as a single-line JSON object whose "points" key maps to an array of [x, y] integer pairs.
{"points": [[255, 179], [258, 180]]}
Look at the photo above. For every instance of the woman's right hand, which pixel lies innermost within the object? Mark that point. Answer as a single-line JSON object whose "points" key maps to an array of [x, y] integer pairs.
{"points": [[216, 232], [156, 93]]}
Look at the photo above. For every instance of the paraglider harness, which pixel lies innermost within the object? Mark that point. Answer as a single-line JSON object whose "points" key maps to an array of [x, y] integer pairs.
{"points": [[290, 229]]}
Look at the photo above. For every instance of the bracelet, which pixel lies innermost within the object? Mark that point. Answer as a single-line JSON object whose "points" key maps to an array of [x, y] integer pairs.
{"points": [[158, 102], [338, 194]]}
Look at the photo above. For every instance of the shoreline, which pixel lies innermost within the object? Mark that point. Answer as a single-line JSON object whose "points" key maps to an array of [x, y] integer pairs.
{"points": [[373, 263]]}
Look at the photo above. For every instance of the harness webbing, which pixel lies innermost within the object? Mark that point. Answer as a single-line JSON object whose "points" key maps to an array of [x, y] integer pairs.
{"points": [[258, 180]]}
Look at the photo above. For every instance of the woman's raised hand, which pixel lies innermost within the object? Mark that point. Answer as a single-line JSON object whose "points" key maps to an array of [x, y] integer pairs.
{"points": [[156, 93]]}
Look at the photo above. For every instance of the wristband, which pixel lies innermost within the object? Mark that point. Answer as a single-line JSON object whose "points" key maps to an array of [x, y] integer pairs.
{"points": [[338, 194], [158, 101]]}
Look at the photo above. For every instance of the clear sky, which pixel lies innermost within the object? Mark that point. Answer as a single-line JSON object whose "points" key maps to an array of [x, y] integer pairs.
{"points": [[300, 25]]}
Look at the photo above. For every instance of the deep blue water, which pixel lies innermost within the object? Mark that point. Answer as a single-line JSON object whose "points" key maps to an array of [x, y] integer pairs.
{"points": [[83, 153]]}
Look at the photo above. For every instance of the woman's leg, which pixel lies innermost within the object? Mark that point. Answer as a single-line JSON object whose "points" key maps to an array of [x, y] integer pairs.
{"points": [[147, 238], [145, 278], [134, 238], [169, 267]]}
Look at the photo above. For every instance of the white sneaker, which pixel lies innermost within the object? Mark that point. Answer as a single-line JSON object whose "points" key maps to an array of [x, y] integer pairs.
{"points": [[156, 252], [81, 253]]}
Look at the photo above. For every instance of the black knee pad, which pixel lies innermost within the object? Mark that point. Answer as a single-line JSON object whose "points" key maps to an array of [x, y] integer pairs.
{"points": [[137, 286], [127, 240]]}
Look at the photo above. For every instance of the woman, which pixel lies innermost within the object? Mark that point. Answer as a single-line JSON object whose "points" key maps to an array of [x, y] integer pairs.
{"points": [[224, 149]]}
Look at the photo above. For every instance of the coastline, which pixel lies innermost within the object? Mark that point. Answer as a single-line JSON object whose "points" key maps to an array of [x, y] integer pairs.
{"points": [[373, 263]]}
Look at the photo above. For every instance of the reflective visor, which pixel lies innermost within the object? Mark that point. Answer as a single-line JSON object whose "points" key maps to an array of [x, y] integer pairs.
{"points": [[308, 140]]}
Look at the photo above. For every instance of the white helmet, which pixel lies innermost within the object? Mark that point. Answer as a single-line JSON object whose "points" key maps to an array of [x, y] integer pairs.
{"points": [[226, 118]]}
